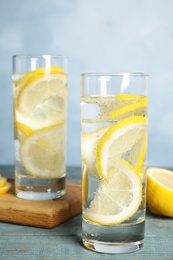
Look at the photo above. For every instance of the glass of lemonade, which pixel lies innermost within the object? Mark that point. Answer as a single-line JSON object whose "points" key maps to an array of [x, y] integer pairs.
{"points": [[113, 150], [40, 117]]}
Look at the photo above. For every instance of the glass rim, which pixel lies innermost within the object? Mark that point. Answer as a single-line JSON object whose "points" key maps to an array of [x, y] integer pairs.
{"points": [[32, 55], [112, 74]]}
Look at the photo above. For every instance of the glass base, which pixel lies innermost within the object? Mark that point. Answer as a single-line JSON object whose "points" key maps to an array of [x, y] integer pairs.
{"points": [[113, 248], [39, 195], [31, 188]]}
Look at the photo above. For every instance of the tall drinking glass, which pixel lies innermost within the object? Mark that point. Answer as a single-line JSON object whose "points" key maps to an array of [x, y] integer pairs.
{"points": [[113, 149], [40, 116]]}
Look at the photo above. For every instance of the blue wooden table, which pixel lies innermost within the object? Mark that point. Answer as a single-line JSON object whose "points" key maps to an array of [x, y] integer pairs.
{"points": [[64, 241]]}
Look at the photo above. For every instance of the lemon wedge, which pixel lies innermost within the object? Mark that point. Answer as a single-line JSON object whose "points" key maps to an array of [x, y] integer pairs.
{"points": [[118, 140], [160, 191], [43, 152], [89, 143], [117, 198]]}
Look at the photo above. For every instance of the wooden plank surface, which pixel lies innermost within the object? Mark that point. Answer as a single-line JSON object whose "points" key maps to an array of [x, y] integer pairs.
{"points": [[45, 214]]}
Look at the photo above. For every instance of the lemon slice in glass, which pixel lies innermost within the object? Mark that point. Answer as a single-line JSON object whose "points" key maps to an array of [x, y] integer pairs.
{"points": [[42, 100], [119, 193], [89, 143], [43, 152], [20, 82], [137, 106], [114, 107], [117, 198], [130, 97], [117, 140]]}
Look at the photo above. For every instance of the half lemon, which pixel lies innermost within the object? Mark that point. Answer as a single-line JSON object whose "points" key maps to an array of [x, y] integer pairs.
{"points": [[160, 191]]}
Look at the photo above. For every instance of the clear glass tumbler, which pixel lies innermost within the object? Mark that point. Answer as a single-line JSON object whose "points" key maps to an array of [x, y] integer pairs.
{"points": [[40, 117], [113, 150]]}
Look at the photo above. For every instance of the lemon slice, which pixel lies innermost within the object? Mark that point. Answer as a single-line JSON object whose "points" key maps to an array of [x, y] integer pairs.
{"points": [[160, 191], [139, 108], [42, 100], [18, 84], [89, 143], [130, 97], [118, 140], [43, 152], [117, 198], [5, 188], [116, 107], [3, 181]]}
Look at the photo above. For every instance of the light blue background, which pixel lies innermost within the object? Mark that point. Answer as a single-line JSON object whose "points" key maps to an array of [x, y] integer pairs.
{"points": [[97, 35]]}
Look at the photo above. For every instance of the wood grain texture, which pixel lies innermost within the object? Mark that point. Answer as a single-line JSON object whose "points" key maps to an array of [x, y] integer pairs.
{"points": [[45, 214]]}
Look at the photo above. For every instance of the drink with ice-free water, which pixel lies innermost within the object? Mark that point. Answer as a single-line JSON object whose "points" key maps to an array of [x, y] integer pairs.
{"points": [[40, 108], [113, 150]]}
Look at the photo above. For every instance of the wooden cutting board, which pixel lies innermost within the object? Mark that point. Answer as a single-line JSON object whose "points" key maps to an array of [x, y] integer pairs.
{"points": [[45, 214]]}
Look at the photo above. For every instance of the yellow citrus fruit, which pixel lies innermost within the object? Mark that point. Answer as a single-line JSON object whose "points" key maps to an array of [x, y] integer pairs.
{"points": [[117, 198], [44, 71], [118, 140], [5, 188], [3, 181], [119, 182], [138, 107], [114, 107], [43, 152], [160, 191], [42, 99], [89, 143], [130, 97]]}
